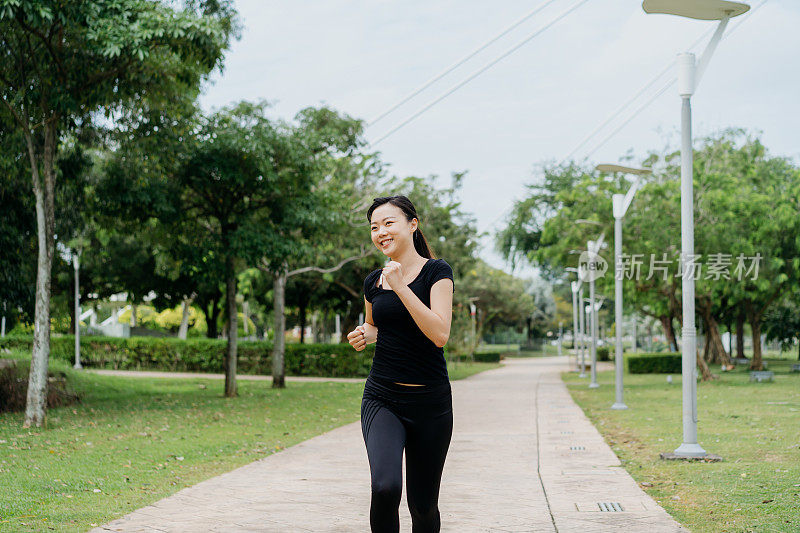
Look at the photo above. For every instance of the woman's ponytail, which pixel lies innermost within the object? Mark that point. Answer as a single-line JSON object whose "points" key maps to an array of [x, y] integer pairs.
{"points": [[421, 244]]}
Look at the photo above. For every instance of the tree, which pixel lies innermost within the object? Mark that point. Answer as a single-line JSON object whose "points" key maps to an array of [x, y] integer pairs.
{"points": [[749, 207], [227, 178], [324, 144], [746, 203], [65, 62], [499, 298], [250, 187], [17, 238], [782, 322]]}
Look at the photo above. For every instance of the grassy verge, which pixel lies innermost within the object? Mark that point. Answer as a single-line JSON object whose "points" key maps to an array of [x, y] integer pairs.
{"points": [[465, 369], [133, 441], [753, 426]]}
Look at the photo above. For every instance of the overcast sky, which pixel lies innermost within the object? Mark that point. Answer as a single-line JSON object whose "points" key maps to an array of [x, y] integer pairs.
{"points": [[534, 106]]}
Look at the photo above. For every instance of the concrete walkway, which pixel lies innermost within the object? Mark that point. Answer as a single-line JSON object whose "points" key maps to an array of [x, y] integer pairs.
{"points": [[523, 458]]}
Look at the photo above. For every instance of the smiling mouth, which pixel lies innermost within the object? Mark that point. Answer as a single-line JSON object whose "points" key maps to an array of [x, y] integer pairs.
{"points": [[385, 244]]}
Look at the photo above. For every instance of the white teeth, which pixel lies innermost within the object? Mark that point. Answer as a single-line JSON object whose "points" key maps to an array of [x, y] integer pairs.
{"points": [[386, 242]]}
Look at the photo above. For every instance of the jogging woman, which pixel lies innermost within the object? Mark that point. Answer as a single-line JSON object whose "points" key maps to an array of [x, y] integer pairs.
{"points": [[407, 402]]}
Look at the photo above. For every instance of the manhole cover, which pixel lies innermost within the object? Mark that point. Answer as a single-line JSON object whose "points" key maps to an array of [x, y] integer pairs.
{"points": [[610, 507]]}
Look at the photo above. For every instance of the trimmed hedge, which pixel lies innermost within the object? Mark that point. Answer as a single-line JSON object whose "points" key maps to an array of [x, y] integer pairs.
{"points": [[487, 357], [655, 363], [204, 355]]}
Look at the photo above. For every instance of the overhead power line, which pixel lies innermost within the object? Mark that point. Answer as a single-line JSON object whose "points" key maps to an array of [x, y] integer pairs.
{"points": [[460, 62], [481, 71], [661, 91]]}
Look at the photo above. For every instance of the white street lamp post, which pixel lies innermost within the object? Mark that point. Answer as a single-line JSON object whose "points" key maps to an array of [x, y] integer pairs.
{"points": [[76, 264], [472, 315], [577, 296], [574, 286], [593, 312], [582, 332], [688, 78], [593, 248], [580, 343], [560, 336], [620, 206]]}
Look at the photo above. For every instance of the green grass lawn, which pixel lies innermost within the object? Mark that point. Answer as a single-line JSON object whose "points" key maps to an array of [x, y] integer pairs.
{"points": [[133, 441], [755, 427]]}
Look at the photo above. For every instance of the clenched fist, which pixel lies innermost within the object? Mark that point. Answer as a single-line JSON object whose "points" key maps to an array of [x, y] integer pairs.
{"points": [[358, 338], [393, 273]]}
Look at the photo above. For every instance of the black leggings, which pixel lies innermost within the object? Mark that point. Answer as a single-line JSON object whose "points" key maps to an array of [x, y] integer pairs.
{"points": [[421, 420]]}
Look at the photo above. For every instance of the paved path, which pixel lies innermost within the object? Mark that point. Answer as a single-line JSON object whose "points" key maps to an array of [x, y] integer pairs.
{"points": [[510, 469]]}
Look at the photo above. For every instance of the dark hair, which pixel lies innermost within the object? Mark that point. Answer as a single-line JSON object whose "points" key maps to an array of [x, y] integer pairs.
{"points": [[420, 243]]}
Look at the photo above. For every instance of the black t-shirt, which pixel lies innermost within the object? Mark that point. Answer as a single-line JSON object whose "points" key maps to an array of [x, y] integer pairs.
{"points": [[402, 351]]}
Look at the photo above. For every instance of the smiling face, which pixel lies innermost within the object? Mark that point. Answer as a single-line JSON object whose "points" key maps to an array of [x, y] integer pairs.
{"points": [[390, 231]]}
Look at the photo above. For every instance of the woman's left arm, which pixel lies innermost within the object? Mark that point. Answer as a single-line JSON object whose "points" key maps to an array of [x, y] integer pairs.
{"points": [[435, 321]]}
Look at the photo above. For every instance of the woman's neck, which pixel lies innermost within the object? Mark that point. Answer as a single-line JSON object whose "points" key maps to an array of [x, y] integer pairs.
{"points": [[408, 258]]}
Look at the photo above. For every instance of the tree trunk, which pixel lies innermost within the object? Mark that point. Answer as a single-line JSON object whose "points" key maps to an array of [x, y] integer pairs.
{"points": [[740, 335], [133, 315], [705, 373], [669, 332], [322, 327], [479, 326], [183, 330], [35, 408], [755, 327], [314, 330], [529, 324], [713, 338], [230, 353], [349, 320], [278, 348], [303, 321], [212, 314]]}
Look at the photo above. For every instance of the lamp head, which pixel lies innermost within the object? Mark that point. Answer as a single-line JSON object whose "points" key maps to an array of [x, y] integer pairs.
{"points": [[626, 170], [696, 9]]}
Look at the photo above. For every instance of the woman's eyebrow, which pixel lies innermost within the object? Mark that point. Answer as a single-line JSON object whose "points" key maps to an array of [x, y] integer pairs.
{"points": [[391, 216]]}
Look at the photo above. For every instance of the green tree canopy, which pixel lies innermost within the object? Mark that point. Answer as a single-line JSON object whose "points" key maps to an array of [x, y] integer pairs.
{"points": [[66, 62]]}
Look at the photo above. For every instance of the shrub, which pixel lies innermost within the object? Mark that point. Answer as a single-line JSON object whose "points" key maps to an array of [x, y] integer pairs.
{"points": [[655, 363], [14, 387], [602, 354], [659, 347], [486, 357]]}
